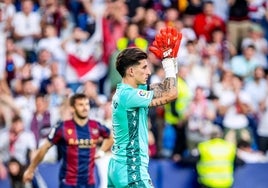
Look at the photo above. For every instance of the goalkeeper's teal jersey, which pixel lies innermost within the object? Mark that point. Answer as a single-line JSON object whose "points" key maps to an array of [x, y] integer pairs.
{"points": [[130, 125]]}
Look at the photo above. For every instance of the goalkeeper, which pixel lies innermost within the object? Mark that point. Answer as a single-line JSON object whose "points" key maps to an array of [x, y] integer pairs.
{"points": [[128, 166]]}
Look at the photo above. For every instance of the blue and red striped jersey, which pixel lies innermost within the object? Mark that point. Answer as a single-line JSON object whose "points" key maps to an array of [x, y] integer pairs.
{"points": [[77, 145]]}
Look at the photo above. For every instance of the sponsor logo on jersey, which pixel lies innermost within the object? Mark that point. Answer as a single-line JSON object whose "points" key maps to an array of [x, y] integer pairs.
{"points": [[82, 143], [143, 93]]}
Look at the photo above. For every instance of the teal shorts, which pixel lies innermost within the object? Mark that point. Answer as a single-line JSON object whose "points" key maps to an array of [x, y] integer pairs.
{"points": [[121, 176]]}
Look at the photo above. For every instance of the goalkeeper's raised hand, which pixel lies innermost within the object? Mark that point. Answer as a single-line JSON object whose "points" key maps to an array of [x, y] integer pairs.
{"points": [[166, 43], [165, 47]]}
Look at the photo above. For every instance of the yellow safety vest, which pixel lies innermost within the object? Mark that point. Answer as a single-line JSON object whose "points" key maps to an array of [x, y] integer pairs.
{"points": [[181, 103], [122, 43], [216, 165]]}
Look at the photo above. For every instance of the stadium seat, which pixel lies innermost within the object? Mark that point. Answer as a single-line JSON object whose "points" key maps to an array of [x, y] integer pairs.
{"points": [[251, 175]]}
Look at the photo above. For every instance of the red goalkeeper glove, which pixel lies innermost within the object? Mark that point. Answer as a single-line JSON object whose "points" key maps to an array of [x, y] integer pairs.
{"points": [[166, 43]]}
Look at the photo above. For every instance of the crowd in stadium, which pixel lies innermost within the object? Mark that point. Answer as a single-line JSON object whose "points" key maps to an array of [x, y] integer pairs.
{"points": [[51, 49]]}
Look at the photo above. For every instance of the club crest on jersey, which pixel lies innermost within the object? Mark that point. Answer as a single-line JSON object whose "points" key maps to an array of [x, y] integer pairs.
{"points": [[143, 93], [95, 131], [69, 131]]}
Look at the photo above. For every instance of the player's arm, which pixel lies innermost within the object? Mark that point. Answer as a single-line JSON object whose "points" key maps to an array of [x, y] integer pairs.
{"points": [[165, 47], [107, 141], [105, 146], [164, 92], [38, 157]]}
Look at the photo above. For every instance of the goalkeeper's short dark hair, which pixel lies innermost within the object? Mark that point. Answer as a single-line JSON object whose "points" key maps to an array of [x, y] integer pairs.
{"points": [[129, 57]]}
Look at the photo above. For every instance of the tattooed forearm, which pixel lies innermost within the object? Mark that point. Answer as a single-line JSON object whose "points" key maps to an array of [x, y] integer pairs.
{"points": [[161, 89], [164, 92]]}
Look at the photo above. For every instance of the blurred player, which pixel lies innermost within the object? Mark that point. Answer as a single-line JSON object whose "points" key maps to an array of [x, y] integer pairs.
{"points": [[128, 166], [77, 139]]}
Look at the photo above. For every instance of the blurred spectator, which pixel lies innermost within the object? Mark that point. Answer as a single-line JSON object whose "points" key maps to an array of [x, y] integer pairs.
{"points": [[16, 147], [220, 49], [57, 95], [256, 10], [41, 69], [67, 24], [114, 23], [7, 106], [132, 38], [136, 11], [257, 88], [87, 20], [201, 73], [45, 85], [264, 21], [25, 101], [221, 9], [23, 73], [18, 5], [171, 15], [235, 121], [54, 13], [147, 25], [189, 54], [41, 117], [96, 100], [14, 60], [224, 85], [262, 129], [193, 8], [188, 33], [83, 13], [256, 37], [210, 20], [41, 125], [244, 64], [200, 115], [238, 22], [7, 12], [57, 91], [62, 112], [157, 75], [49, 12], [51, 42], [248, 155], [27, 29]]}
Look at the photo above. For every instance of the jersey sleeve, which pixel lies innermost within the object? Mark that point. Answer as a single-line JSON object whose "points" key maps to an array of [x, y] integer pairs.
{"points": [[138, 98], [56, 133], [104, 131]]}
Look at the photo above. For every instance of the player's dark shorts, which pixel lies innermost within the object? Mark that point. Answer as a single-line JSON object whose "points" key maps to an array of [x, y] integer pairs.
{"points": [[118, 177]]}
